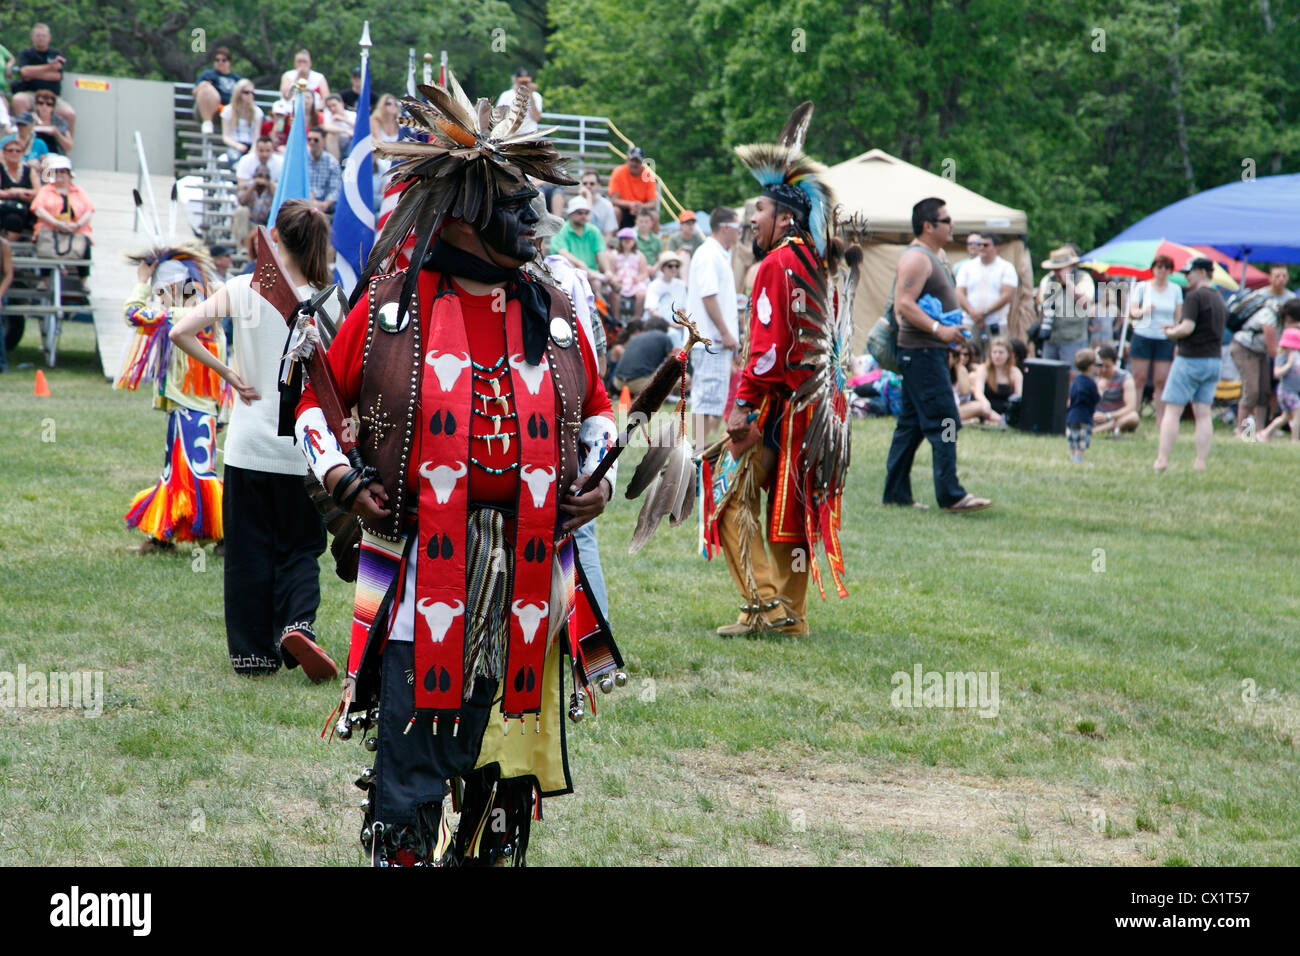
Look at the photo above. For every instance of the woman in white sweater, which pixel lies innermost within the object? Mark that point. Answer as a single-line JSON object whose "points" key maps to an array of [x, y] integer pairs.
{"points": [[274, 535]]}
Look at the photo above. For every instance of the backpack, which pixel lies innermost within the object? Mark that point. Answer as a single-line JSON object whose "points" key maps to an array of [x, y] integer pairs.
{"points": [[882, 341], [1242, 307]]}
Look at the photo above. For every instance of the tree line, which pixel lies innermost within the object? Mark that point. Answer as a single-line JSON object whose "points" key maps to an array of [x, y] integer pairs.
{"points": [[1086, 114]]}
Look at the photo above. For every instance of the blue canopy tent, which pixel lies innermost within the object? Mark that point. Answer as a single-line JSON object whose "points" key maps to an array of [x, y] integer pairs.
{"points": [[1252, 220]]}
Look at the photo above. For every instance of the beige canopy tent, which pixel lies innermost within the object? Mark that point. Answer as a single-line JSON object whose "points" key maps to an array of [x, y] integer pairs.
{"points": [[882, 189]]}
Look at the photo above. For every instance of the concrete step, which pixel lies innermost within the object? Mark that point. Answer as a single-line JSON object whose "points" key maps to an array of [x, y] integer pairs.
{"points": [[111, 277]]}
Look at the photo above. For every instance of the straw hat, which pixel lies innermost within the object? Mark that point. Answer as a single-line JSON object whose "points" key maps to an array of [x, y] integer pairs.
{"points": [[1061, 258]]}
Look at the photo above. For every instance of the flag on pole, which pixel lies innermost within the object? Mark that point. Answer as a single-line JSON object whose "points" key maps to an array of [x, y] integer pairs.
{"points": [[354, 219], [294, 183]]}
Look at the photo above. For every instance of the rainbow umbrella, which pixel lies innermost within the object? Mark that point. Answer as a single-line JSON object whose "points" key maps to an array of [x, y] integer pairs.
{"points": [[1133, 258]]}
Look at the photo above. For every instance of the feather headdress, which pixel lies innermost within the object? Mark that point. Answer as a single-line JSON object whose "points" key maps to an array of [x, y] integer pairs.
{"points": [[791, 178], [474, 155], [191, 254]]}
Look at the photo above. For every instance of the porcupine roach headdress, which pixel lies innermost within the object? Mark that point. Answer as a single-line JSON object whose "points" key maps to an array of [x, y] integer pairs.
{"points": [[474, 155], [791, 178], [824, 326]]}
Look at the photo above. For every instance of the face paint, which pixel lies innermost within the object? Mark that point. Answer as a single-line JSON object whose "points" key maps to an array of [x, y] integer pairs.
{"points": [[510, 233]]}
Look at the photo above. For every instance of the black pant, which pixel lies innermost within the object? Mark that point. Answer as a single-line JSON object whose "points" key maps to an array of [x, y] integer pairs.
{"points": [[274, 539], [929, 412]]}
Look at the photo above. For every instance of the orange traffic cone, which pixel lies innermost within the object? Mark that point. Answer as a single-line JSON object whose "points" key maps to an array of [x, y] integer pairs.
{"points": [[624, 402], [42, 386]]}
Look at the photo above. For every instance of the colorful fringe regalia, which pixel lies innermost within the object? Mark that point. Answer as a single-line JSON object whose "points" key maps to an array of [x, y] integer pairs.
{"points": [[185, 503]]}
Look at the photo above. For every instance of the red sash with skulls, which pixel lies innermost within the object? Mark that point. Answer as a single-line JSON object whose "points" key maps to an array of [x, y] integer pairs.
{"points": [[448, 391]]}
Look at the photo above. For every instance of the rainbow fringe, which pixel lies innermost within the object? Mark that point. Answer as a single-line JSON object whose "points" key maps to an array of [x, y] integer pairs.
{"points": [[185, 504]]}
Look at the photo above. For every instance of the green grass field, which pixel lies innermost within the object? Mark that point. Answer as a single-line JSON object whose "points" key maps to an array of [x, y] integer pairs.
{"points": [[1143, 629]]}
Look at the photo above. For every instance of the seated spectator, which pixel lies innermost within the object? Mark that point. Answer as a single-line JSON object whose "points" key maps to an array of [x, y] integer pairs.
{"points": [[41, 68], [1118, 409], [282, 118], [50, 126], [668, 289], [214, 89], [63, 213], [241, 121], [255, 199], [17, 190], [384, 128], [324, 176], [351, 96], [222, 261], [524, 80], [603, 216], [647, 235], [970, 406], [631, 271], [581, 244], [6, 121], [338, 124], [263, 154], [687, 240], [316, 82], [34, 148], [632, 187], [998, 379], [642, 355]]}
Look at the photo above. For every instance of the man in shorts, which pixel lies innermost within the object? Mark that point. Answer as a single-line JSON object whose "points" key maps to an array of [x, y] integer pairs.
{"points": [[1195, 372]]}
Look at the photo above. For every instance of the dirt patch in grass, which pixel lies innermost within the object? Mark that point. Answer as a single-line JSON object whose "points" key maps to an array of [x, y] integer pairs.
{"points": [[919, 816]]}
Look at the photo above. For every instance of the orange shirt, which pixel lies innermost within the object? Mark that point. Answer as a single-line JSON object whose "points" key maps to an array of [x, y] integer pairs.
{"points": [[637, 189], [51, 200]]}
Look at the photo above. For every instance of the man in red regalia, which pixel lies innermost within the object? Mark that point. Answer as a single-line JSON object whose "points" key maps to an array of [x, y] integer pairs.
{"points": [[788, 427], [479, 412]]}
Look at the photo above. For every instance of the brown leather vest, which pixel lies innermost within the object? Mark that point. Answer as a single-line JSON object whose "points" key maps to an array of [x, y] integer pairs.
{"points": [[388, 404]]}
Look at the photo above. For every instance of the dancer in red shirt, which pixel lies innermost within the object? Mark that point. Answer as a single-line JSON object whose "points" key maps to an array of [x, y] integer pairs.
{"points": [[480, 410]]}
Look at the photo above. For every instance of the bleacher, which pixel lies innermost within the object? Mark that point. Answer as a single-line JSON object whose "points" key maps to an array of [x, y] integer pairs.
{"points": [[41, 291]]}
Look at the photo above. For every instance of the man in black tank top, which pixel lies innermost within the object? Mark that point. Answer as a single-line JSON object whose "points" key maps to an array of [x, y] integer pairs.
{"points": [[929, 409]]}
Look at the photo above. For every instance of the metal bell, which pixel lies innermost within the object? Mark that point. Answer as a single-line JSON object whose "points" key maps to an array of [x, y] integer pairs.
{"points": [[343, 728], [366, 835], [620, 678], [365, 804], [575, 715], [606, 685], [372, 744], [368, 774]]}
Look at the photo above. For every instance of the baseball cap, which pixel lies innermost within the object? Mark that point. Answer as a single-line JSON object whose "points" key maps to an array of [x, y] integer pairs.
{"points": [[24, 118], [627, 232], [687, 216], [1200, 262], [577, 204], [636, 152]]}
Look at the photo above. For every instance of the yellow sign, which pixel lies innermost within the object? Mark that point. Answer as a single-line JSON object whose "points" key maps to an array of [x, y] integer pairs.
{"points": [[99, 85]]}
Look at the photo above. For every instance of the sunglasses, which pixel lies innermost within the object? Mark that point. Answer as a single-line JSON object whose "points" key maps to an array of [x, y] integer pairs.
{"points": [[671, 265], [946, 220], [221, 59]]}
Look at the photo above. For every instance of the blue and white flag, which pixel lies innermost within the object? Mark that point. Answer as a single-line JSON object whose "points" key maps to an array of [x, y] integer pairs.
{"points": [[354, 216], [294, 182]]}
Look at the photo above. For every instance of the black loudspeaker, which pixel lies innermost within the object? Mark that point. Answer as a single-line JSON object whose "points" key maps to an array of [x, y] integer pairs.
{"points": [[1044, 397]]}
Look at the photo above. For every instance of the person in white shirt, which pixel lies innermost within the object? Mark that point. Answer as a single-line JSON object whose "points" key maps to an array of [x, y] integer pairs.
{"points": [[274, 535], [986, 285], [573, 282], [667, 290], [262, 154], [524, 78], [302, 70], [711, 304], [603, 216]]}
